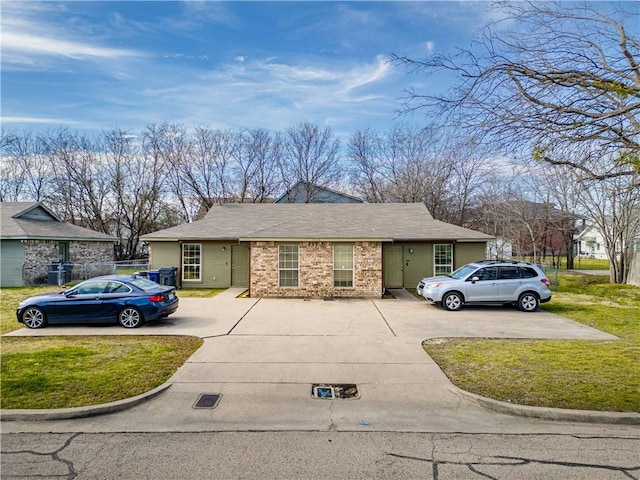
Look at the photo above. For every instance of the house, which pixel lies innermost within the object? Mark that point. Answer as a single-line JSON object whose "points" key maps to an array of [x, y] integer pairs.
{"points": [[35, 242], [305, 192], [590, 243], [314, 249]]}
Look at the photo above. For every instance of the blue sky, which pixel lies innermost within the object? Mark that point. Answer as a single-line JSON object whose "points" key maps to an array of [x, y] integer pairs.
{"points": [[93, 66]]}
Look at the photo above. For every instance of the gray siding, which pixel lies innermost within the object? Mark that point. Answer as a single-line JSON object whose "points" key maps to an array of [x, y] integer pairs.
{"points": [[11, 260]]}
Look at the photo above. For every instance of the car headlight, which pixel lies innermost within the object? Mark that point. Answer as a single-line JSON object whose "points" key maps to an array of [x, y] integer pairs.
{"points": [[433, 285]]}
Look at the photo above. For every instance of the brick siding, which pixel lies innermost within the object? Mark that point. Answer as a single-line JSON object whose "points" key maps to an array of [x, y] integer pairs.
{"points": [[39, 254], [316, 271]]}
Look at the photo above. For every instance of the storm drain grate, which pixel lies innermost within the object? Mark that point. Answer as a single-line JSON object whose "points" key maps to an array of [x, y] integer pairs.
{"points": [[207, 400], [335, 391]]}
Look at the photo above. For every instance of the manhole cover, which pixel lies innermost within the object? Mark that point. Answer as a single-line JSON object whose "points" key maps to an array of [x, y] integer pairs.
{"points": [[207, 400], [335, 391]]}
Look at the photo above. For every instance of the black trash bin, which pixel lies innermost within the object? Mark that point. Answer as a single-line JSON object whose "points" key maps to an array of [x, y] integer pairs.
{"points": [[168, 276], [66, 273]]}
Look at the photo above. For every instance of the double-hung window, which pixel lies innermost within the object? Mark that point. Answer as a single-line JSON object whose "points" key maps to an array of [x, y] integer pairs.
{"points": [[288, 265], [343, 265], [191, 262], [442, 259]]}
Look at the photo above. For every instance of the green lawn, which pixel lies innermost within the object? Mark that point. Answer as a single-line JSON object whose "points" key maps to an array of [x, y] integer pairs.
{"points": [[60, 372], [586, 375]]}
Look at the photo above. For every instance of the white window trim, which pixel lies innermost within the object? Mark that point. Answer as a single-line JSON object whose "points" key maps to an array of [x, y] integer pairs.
{"points": [[353, 265], [435, 265], [289, 269], [199, 264]]}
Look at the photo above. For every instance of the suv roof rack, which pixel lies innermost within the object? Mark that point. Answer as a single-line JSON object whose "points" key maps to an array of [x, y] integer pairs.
{"points": [[492, 262]]}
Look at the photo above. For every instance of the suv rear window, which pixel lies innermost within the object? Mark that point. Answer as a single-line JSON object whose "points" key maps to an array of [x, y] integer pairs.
{"points": [[528, 272], [508, 273]]}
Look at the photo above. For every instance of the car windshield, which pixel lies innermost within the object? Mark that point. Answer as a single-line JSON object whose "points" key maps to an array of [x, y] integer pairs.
{"points": [[463, 272], [143, 283]]}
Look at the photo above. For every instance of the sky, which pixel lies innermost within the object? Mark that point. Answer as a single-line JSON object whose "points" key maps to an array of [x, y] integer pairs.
{"points": [[94, 66]]}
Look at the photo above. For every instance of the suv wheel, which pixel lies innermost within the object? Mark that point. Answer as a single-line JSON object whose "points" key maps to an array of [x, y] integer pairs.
{"points": [[452, 301], [528, 302]]}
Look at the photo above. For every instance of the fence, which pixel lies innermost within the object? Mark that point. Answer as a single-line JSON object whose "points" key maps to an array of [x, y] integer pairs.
{"points": [[67, 273]]}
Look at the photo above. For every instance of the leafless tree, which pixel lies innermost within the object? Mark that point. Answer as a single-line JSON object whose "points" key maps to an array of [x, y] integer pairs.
{"points": [[311, 155], [547, 76], [612, 206], [21, 176], [256, 170]]}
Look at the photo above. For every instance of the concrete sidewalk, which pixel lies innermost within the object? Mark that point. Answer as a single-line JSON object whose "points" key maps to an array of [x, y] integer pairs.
{"points": [[264, 355]]}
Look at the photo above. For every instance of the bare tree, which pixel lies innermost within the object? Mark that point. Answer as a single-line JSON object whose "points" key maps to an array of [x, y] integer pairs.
{"points": [[310, 155], [547, 76], [256, 172], [613, 206], [27, 172]]}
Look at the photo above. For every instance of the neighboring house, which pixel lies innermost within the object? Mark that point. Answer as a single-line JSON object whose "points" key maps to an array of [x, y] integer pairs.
{"points": [[590, 243], [305, 192], [34, 241], [499, 249], [314, 249]]}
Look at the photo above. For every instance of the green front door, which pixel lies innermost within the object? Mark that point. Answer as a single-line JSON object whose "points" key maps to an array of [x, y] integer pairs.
{"points": [[393, 266], [239, 266]]}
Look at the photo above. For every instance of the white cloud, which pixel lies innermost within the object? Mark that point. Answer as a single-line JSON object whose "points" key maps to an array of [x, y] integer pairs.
{"points": [[31, 34], [13, 43], [38, 120]]}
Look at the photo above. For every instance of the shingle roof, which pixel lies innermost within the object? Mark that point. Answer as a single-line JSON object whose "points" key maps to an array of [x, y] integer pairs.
{"points": [[318, 221], [46, 227]]}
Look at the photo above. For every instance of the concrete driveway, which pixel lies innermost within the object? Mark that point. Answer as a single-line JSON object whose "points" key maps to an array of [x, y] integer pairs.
{"points": [[264, 355]]}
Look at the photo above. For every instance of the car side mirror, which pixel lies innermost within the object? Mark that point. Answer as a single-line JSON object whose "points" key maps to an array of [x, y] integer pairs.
{"points": [[69, 294], [475, 279]]}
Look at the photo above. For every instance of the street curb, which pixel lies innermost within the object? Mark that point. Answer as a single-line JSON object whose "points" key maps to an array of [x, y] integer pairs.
{"points": [[79, 412], [546, 413]]}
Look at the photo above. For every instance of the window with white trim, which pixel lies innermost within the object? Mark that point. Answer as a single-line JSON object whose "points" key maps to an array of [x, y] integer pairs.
{"points": [[343, 265], [191, 262], [442, 259], [288, 265]]}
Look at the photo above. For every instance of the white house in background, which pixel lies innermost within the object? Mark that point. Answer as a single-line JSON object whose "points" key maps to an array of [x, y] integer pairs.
{"points": [[590, 243], [499, 249]]}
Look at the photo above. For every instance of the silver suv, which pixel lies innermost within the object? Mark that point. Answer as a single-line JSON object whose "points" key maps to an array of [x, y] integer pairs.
{"points": [[489, 281]]}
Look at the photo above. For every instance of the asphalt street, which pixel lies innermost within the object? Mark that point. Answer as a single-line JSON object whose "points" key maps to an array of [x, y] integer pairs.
{"points": [[319, 455]]}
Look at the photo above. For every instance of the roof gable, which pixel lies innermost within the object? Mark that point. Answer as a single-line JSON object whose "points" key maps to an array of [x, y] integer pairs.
{"points": [[305, 192], [33, 220]]}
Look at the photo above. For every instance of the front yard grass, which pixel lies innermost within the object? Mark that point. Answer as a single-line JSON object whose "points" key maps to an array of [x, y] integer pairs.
{"points": [[61, 372], [576, 374]]}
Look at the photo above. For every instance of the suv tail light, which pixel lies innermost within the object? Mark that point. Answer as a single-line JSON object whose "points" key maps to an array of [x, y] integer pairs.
{"points": [[545, 281], [156, 298]]}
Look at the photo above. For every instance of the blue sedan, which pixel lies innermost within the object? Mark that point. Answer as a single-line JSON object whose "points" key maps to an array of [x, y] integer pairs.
{"points": [[126, 299]]}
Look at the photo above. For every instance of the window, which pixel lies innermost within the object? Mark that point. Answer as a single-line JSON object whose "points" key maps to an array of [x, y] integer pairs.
{"points": [[343, 265], [490, 273], [442, 259], [191, 262], [509, 273], [91, 288], [288, 265]]}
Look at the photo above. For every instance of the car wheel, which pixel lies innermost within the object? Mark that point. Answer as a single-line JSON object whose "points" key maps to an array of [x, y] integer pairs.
{"points": [[528, 302], [33, 317], [452, 301], [130, 317]]}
